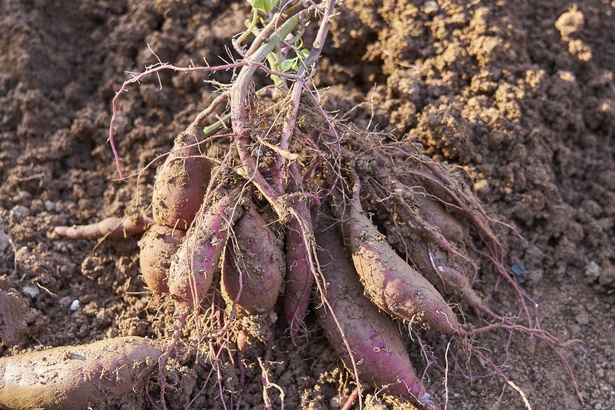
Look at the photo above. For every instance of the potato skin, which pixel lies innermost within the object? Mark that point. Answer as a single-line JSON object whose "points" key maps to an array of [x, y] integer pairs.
{"points": [[261, 262], [299, 277], [110, 228], [198, 256], [181, 183], [75, 377], [378, 351], [435, 214], [158, 245], [390, 283]]}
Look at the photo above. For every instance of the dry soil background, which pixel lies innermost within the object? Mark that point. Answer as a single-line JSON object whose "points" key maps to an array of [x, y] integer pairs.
{"points": [[518, 94]]}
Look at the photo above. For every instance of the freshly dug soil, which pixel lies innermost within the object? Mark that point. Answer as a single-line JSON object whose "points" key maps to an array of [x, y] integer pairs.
{"points": [[518, 96]]}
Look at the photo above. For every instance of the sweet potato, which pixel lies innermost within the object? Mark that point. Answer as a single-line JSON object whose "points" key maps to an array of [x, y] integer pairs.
{"points": [[254, 267], [158, 246], [76, 377], [390, 283], [379, 353], [111, 228], [181, 183], [434, 213], [197, 258], [299, 280], [299, 271], [433, 266]]}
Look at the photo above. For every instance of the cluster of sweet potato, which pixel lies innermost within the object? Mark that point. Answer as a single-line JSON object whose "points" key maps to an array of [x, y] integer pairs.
{"points": [[297, 207], [313, 244], [326, 239]]}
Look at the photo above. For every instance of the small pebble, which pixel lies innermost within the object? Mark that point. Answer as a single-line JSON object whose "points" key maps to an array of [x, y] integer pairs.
{"points": [[431, 7], [592, 270], [481, 187], [49, 206], [30, 291], [74, 305], [582, 318], [520, 272]]}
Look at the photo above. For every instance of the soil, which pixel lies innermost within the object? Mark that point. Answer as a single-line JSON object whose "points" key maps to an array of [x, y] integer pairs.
{"points": [[518, 96]]}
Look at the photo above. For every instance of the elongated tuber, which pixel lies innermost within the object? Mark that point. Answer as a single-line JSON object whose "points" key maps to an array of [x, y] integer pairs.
{"points": [[75, 377], [378, 351]]}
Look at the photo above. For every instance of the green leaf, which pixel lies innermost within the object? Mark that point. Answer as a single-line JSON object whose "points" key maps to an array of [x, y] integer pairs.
{"points": [[304, 53], [263, 5], [288, 65]]}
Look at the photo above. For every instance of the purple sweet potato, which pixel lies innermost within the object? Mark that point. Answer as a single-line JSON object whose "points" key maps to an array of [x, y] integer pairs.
{"points": [[299, 277], [433, 266], [378, 351], [254, 266], [198, 256], [434, 213], [111, 228], [181, 183], [390, 283], [158, 246], [299, 280], [76, 377]]}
